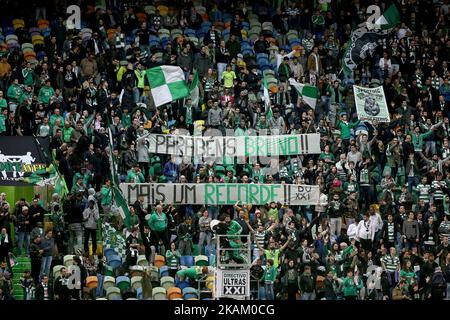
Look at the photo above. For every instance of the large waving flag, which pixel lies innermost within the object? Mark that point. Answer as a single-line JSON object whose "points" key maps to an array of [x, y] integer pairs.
{"points": [[308, 93], [167, 84], [389, 19], [364, 40]]}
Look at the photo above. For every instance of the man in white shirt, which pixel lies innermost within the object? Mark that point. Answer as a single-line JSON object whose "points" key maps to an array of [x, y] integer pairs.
{"points": [[365, 232], [377, 222], [352, 229]]}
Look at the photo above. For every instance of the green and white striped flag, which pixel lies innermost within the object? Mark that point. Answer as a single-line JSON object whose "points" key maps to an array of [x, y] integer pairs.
{"points": [[195, 90], [167, 84], [389, 19], [121, 203], [267, 103], [308, 93], [112, 239]]}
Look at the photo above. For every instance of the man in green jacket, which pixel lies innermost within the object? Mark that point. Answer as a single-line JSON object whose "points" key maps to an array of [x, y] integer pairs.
{"points": [[67, 132], [135, 175], [29, 77], [417, 137], [14, 91], [351, 285], [158, 224], [193, 273], [56, 115], [270, 274], [344, 126], [46, 93]]}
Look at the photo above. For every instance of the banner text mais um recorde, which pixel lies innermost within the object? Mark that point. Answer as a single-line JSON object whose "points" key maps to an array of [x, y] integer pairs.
{"points": [[221, 193]]}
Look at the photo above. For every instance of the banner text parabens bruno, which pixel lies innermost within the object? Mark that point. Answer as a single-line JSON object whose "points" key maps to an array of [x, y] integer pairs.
{"points": [[234, 146]]}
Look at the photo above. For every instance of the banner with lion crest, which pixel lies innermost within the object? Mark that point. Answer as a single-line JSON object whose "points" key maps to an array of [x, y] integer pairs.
{"points": [[371, 104]]}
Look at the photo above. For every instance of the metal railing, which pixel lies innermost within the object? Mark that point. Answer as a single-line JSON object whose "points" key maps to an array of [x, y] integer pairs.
{"points": [[228, 257]]}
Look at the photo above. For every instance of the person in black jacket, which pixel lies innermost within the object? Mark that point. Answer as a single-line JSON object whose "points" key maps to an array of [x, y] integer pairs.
{"points": [[36, 258], [330, 286], [60, 288], [5, 296], [389, 231], [36, 212], [44, 290], [74, 217], [212, 36]]}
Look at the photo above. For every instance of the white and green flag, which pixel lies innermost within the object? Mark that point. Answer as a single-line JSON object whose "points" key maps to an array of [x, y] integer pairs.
{"points": [[195, 90], [112, 239], [389, 19], [371, 104], [167, 84], [308, 93], [267, 103]]}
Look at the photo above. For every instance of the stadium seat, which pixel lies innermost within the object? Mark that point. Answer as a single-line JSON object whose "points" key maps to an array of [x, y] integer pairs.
{"points": [[123, 282], [136, 282], [167, 282], [159, 293], [164, 33], [163, 271], [201, 260], [175, 33], [113, 293], [174, 293], [114, 261], [108, 252], [136, 270], [247, 52], [108, 282], [68, 260], [57, 271], [92, 282], [187, 261], [150, 10], [43, 24], [18, 24], [200, 10], [163, 10], [190, 293]]}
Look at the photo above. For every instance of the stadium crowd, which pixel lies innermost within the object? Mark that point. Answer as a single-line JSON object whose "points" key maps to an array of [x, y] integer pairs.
{"points": [[384, 187]]}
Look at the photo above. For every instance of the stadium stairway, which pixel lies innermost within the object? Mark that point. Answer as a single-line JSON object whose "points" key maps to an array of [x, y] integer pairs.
{"points": [[21, 264]]}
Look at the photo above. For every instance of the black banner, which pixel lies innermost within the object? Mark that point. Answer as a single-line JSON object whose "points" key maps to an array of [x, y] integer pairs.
{"points": [[21, 156]]}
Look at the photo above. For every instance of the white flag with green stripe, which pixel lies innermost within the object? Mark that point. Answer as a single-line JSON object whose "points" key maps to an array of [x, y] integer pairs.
{"points": [[167, 84], [308, 93]]}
